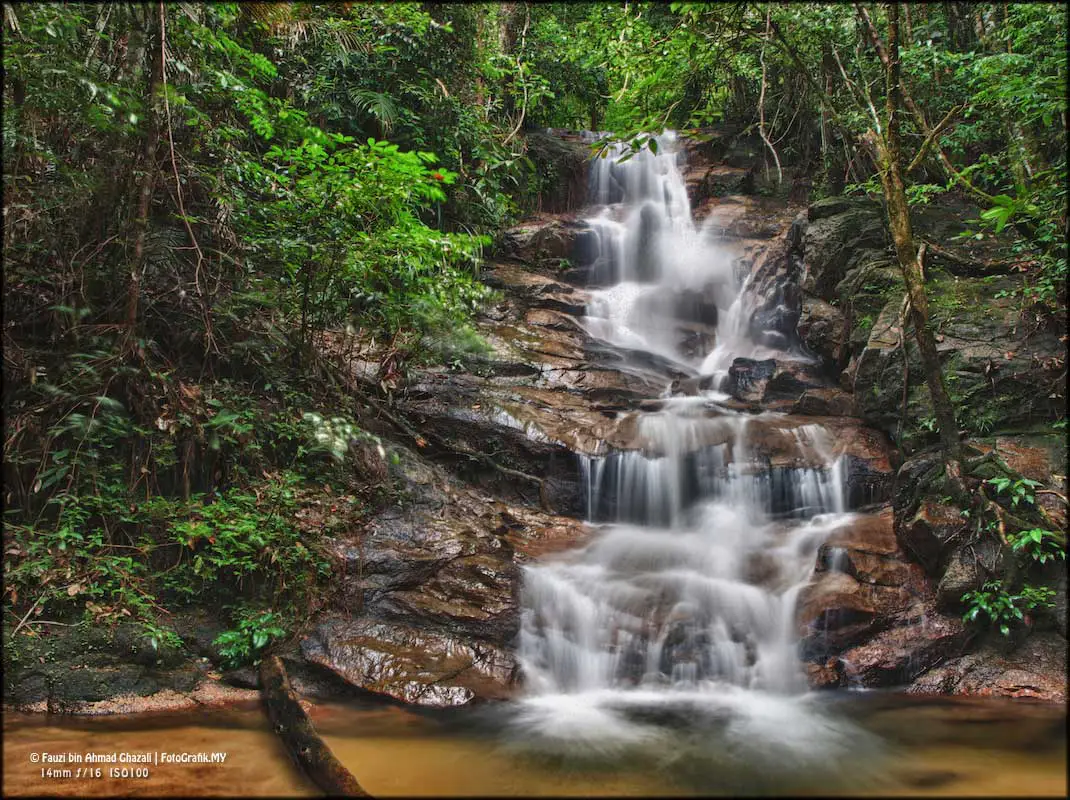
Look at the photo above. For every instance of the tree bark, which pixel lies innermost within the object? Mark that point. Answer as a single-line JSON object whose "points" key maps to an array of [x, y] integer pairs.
{"points": [[154, 51], [290, 722], [907, 254]]}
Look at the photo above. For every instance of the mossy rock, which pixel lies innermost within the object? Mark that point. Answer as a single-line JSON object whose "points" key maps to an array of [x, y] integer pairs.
{"points": [[1002, 376]]}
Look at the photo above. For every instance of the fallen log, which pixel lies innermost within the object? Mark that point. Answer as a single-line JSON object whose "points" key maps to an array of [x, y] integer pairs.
{"points": [[968, 266], [291, 723]]}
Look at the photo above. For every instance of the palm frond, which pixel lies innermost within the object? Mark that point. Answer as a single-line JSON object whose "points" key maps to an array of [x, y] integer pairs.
{"points": [[379, 105]]}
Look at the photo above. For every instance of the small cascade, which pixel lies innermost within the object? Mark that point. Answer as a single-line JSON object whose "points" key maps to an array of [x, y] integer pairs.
{"points": [[665, 280], [708, 525]]}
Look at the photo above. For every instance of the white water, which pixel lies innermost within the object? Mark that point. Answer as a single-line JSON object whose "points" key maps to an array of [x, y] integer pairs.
{"points": [[687, 598], [651, 254]]}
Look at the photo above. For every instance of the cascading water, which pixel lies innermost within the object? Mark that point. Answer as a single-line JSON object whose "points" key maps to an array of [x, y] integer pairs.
{"points": [[683, 602]]}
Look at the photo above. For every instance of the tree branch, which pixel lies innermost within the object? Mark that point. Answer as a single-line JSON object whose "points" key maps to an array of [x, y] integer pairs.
{"points": [[761, 104], [520, 74], [931, 138], [919, 118]]}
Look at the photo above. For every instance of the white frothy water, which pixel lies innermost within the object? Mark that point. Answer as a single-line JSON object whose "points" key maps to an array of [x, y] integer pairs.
{"points": [[659, 268], [687, 596]]}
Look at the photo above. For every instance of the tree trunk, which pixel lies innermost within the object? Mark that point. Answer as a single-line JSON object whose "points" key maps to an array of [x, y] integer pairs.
{"points": [[909, 261], [154, 53], [292, 724]]}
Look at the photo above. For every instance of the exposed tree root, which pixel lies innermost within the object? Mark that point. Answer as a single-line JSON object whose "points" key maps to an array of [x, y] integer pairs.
{"points": [[291, 723], [1000, 516]]}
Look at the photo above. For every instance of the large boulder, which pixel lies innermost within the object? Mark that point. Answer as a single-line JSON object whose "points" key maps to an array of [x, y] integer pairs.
{"points": [[544, 238], [929, 530], [562, 160], [868, 618], [861, 586], [839, 229], [772, 382], [723, 180], [823, 329], [410, 663], [1002, 370], [894, 657]]}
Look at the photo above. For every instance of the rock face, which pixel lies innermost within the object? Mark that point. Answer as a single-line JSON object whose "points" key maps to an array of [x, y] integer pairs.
{"points": [[868, 617], [545, 237], [1036, 670], [840, 234], [1002, 362], [430, 593]]}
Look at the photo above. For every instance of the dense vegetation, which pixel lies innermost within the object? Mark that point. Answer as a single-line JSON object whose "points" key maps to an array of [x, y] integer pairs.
{"points": [[195, 193]]}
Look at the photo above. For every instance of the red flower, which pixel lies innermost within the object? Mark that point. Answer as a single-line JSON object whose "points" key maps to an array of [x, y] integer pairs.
{"points": [[438, 176]]}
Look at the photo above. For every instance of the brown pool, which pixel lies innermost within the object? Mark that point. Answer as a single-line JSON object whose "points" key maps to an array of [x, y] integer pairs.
{"points": [[915, 746]]}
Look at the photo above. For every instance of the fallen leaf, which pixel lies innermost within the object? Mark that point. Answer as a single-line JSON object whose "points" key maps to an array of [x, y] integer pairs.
{"points": [[74, 589]]}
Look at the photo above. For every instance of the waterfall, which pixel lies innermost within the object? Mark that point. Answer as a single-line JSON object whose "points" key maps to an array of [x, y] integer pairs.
{"points": [[707, 528]]}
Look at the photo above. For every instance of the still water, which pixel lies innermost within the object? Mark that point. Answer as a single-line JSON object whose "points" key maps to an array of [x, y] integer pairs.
{"points": [[905, 746]]}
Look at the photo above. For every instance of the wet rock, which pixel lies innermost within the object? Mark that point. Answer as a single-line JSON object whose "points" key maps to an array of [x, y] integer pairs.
{"points": [[824, 676], [740, 223], [430, 592], [966, 569], [1036, 670], [867, 550], [477, 594], [536, 289], [544, 239], [837, 611], [929, 530], [747, 378], [411, 664], [865, 593], [838, 228], [724, 180], [823, 330], [774, 286], [534, 534], [771, 381], [825, 403], [894, 657]]}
